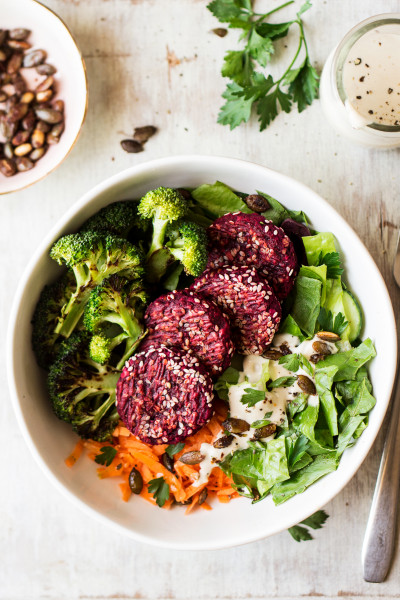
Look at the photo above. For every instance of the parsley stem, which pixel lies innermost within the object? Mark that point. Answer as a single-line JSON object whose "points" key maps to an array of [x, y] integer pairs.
{"points": [[301, 40], [271, 12]]}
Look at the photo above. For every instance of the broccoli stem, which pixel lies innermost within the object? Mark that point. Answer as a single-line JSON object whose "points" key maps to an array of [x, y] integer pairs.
{"points": [[159, 228], [73, 311], [158, 264]]}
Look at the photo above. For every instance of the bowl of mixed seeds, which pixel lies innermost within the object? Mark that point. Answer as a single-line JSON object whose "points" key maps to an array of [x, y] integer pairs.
{"points": [[43, 93]]}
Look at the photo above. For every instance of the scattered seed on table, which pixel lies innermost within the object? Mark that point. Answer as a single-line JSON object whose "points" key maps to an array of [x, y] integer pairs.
{"points": [[131, 146]]}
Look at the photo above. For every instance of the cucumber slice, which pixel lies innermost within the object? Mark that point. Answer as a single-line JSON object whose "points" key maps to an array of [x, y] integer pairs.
{"points": [[353, 314]]}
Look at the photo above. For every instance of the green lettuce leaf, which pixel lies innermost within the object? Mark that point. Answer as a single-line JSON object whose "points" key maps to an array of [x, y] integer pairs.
{"points": [[316, 244], [349, 362], [307, 303], [324, 382], [218, 199]]}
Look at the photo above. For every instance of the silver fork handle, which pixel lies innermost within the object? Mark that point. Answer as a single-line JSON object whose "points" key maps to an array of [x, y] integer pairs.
{"points": [[380, 535]]}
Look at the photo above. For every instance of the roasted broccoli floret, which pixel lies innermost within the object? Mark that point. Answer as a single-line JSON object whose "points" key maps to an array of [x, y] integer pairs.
{"points": [[53, 297], [184, 242], [117, 218], [92, 257], [113, 314], [163, 206], [82, 392]]}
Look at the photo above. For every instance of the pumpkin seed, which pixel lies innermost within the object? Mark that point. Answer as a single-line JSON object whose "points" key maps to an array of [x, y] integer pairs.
{"points": [[263, 432], [7, 129], [7, 167], [306, 385], [21, 137], [315, 358], [34, 58], [168, 462], [52, 139], [8, 150], [14, 63], [202, 496], [17, 112], [223, 442], [18, 44], [192, 458], [37, 153], [220, 31], [328, 336], [235, 425], [37, 139], [29, 121], [46, 84], [131, 146], [135, 481], [57, 130], [46, 69], [49, 115], [23, 163], [321, 348], [44, 96], [59, 105], [273, 354], [42, 126], [142, 134], [18, 34], [257, 203]]}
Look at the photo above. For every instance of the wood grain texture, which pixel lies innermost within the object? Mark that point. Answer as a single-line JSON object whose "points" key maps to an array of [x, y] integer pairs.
{"points": [[49, 549]]}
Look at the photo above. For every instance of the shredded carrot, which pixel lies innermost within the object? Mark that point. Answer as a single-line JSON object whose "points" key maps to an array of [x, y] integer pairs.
{"points": [[131, 452]]}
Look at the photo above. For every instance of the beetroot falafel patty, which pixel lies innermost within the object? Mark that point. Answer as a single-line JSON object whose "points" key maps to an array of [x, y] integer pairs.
{"points": [[253, 309], [164, 395], [189, 322], [250, 239]]}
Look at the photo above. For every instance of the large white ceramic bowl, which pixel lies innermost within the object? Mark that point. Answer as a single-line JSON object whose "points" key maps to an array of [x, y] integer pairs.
{"points": [[49, 33], [51, 440]]}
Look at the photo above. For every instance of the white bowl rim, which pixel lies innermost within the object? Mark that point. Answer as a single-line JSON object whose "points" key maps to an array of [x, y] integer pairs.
{"points": [[172, 162]]}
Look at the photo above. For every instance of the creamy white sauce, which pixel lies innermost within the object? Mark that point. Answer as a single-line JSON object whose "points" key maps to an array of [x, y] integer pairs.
{"points": [[371, 78], [275, 401]]}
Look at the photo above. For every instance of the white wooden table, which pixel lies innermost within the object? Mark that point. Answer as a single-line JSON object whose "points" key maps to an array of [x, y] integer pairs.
{"points": [[48, 548]]}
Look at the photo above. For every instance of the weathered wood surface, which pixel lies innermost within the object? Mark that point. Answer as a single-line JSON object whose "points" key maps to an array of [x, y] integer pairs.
{"points": [[48, 548]]}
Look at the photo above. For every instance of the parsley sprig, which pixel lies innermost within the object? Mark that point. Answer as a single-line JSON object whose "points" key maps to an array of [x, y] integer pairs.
{"points": [[316, 521], [250, 87], [160, 490]]}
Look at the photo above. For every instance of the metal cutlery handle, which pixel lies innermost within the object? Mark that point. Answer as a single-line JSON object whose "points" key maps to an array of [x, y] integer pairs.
{"points": [[380, 534]]}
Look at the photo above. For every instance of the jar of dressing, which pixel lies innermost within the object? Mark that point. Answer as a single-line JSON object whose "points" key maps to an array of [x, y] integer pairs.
{"points": [[360, 83]]}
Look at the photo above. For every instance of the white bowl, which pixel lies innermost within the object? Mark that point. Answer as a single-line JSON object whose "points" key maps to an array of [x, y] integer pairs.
{"points": [[49, 33], [51, 440]]}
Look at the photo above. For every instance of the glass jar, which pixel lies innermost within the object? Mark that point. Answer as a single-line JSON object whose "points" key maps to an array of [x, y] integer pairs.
{"points": [[360, 83]]}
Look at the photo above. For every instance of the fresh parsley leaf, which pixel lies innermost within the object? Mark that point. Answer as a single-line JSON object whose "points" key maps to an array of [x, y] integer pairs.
{"points": [[307, 366], [291, 362], [274, 30], [300, 534], [228, 10], [173, 449], [160, 490], [237, 67], [236, 109], [283, 382], [262, 422], [267, 107], [304, 87], [297, 450], [332, 261], [316, 521], [229, 377], [306, 6], [260, 48], [251, 396], [106, 456], [328, 323]]}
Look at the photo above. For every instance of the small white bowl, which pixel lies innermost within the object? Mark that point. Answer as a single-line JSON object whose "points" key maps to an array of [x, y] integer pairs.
{"points": [[49, 33], [51, 441]]}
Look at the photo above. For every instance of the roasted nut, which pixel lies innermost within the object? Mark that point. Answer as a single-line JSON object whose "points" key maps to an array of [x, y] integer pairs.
{"points": [[306, 385], [18, 44], [321, 348], [142, 134], [38, 138], [191, 458], [235, 425], [34, 58], [14, 63], [328, 336], [168, 462], [8, 150], [23, 149], [46, 69], [37, 153], [27, 97], [263, 432], [131, 146], [257, 203], [46, 84], [23, 163], [7, 129], [42, 126], [17, 34], [20, 137], [49, 115], [223, 442], [135, 481], [44, 96], [29, 121], [202, 496], [7, 167], [17, 112]]}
